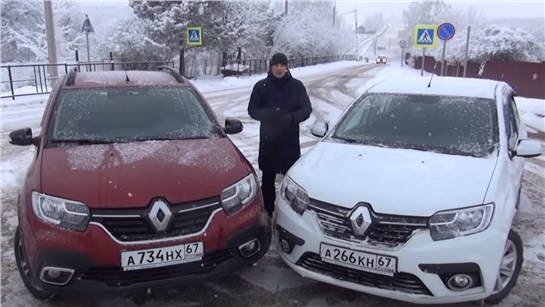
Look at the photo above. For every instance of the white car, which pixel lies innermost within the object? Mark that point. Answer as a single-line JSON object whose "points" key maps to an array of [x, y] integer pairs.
{"points": [[412, 194], [382, 59]]}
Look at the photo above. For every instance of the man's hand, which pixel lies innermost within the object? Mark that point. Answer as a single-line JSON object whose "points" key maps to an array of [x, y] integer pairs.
{"points": [[284, 119], [276, 116]]}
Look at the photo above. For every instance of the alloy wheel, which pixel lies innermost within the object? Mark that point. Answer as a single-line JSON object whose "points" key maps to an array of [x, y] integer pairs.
{"points": [[507, 266]]}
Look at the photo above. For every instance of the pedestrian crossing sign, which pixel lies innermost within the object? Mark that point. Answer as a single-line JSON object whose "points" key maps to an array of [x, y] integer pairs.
{"points": [[425, 36], [194, 36]]}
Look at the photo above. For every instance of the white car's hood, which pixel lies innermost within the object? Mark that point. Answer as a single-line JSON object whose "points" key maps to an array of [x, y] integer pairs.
{"points": [[393, 181]]}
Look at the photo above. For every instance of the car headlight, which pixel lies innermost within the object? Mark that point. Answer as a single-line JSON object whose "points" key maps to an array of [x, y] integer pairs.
{"points": [[456, 223], [296, 196], [239, 194], [61, 212]]}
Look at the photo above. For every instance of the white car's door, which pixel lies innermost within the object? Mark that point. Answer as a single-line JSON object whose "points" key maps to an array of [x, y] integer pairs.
{"points": [[515, 132]]}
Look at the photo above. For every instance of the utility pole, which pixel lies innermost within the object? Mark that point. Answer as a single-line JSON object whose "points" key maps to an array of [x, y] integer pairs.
{"points": [[356, 32], [334, 5], [286, 7], [355, 11], [51, 47]]}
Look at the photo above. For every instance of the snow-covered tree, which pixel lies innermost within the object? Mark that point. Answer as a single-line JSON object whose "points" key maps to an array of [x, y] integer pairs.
{"points": [[252, 25], [504, 43], [306, 31], [424, 13], [128, 42], [168, 21], [68, 20], [23, 30]]}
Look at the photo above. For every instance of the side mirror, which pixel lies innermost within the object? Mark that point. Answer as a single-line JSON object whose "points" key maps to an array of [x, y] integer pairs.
{"points": [[319, 129], [232, 126], [528, 148], [22, 137]]}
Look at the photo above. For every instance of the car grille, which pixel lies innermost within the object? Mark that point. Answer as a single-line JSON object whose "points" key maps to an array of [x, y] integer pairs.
{"points": [[115, 277], [389, 230], [403, 282], [131, 225]]}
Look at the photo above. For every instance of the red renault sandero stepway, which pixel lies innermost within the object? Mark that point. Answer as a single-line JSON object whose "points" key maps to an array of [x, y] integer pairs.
{"points": [[134, 185]]}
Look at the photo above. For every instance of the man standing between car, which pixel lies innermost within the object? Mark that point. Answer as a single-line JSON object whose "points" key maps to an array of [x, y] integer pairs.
{"points": [[279, 102]]}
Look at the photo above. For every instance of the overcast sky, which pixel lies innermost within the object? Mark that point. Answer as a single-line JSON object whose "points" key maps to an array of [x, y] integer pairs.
{"points": [[394, 8], [488, 8]]}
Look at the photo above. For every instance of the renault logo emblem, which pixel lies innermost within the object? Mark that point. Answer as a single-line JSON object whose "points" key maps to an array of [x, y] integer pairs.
{"points": [[360, 220], [160, 215]]}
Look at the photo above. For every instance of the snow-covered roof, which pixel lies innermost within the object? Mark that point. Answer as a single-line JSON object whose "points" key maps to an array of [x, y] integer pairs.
{"points": [[118, 78], [448, 86]]}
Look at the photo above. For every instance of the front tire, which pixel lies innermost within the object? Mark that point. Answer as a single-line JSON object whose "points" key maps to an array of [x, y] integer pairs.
{"points": [[21, 258], [509, 270]]}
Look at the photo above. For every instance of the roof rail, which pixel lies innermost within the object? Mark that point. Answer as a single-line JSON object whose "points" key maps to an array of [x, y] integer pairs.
{"points": [[173, 73], [71, 77]]}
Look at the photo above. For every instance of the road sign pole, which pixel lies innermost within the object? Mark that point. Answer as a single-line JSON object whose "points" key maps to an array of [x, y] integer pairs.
{"points": [[87, 43], [443, 58], [402, 44], [423, 59], [467, 49], [402, 56], [445, 31]]}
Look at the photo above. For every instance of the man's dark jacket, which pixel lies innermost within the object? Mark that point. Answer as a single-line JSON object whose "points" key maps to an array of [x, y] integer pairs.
{"points": [[280, 105]]}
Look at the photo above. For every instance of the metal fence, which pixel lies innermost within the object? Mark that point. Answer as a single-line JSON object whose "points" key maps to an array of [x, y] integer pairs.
{"points": [[42, 77], [250, 67]]}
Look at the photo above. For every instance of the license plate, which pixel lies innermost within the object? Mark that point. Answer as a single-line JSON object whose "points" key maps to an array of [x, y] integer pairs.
{"points": [[157, 257], [362, 261]]}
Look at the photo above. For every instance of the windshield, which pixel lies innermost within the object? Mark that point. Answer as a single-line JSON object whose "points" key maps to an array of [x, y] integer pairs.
{"points": [[129, 114], [446, 124]]}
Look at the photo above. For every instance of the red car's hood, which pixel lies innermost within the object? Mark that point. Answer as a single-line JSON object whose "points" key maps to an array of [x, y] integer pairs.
{"points": [[130, 175]]}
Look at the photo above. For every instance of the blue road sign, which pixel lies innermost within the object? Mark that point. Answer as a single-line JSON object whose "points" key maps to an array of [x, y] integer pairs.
{"points": [[194, 36], [425, 36], [445, 31]]}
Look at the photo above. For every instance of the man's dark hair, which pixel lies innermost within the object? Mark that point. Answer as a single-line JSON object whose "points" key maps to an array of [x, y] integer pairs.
{"points": [[279, 58]]}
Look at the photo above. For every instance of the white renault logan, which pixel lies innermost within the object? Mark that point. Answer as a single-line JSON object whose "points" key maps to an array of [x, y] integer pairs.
{"points": [[412, 194]]}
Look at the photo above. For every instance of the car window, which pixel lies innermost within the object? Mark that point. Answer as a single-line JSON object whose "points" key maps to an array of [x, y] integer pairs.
{"points": [[448, 124], [514, 121], [129, 114]]}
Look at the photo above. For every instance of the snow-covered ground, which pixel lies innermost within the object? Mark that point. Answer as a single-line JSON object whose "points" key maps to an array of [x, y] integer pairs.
{"points": [[331, 88]]}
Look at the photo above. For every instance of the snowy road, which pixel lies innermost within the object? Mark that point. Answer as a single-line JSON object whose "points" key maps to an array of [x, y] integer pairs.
{"points": [[269, 283]]}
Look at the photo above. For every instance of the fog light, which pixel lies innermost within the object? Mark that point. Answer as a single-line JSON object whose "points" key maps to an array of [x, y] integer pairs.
{"points": [[460, 282], [55, 275], [286, 246], [250, 248]]}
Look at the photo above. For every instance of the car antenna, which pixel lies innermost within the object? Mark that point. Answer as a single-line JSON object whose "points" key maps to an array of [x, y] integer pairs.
{"points": [[433, 73], [127, 76]]}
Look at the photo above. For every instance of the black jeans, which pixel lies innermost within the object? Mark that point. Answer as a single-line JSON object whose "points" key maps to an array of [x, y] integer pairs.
{"points": [[269, 191]]}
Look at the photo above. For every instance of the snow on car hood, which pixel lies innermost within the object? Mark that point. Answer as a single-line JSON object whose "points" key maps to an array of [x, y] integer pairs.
{"points": [[393, 181], [132, 174]]}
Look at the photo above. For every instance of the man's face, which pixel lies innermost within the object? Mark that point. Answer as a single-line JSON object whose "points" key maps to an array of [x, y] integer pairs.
{"points": [[279, 70]]}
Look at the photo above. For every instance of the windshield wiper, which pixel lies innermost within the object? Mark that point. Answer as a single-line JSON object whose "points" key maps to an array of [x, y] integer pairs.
{"points": [[81, 141], [345, 139], [453, 150], [170, 138]]}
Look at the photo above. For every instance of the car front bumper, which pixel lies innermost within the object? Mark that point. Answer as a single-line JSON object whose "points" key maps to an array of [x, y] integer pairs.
{"points": [[94, 257], [421, 262]]}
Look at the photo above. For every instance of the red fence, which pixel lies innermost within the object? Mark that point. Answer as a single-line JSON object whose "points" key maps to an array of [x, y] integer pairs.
{"points": [[526, 78]]}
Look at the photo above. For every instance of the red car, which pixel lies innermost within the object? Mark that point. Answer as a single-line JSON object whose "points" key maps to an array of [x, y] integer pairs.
{"points": [[134, 185]]}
